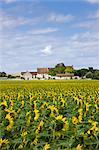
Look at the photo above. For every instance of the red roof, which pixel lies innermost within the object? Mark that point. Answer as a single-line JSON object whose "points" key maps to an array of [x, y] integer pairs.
{"points": [[42, 70], [33, 73]]}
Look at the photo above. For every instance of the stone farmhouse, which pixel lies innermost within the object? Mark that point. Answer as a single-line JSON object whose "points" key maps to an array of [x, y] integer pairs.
{"points": [[29, 75]]}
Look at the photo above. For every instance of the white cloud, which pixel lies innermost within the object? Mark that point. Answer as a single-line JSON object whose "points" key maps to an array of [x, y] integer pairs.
{"points": [[9, 1], [91, 24], [11, 22], [92, 1], [94, 15], [47, 50], [80, 49], [43, 31], [86, 24], [60, 17]]}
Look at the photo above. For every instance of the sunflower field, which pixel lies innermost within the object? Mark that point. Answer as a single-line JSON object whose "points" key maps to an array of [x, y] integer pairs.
{"points": [[49, 115]]}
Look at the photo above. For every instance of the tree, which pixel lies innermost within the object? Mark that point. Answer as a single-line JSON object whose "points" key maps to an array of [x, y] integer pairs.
{"points": [[89, 75], [10, 76], [52, 72], [81, 72], [96, 75], [60, 65], [91, 69], [3, 74], [69, 69], [60, 70]]}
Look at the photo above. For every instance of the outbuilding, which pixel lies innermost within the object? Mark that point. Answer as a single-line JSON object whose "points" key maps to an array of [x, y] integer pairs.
{"points": [[27, 75]]}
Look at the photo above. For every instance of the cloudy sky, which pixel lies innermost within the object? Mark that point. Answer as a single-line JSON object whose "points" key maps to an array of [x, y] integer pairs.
{"points": [[42, 33]]}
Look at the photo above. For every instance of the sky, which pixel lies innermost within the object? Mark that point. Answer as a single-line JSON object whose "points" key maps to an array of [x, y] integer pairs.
{"points": [[42, 33]]}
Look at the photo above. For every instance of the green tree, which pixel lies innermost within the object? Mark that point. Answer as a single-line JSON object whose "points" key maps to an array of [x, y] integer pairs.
{"points": [[3, 74], [89, 75], [52, 72], [60, 70], [60, 65], [10, 76], [91, 69], [69, 69], [96, 75], [81, 72]]}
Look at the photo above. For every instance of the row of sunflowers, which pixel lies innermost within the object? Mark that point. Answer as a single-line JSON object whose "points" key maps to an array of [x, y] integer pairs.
{"points": [[49, 115]]}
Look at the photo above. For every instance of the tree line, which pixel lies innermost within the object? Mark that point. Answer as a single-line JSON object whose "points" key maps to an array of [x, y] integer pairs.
{"points": [[4, 74], [83, 73]]}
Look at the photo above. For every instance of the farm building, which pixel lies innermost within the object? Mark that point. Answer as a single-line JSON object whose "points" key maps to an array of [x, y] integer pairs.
{"points": [[65, 76], [29, 75], [34, 74], [42, 70]]}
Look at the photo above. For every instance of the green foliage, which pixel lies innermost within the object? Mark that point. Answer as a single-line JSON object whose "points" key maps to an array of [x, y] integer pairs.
{"points": [[60, 70], [60, 65], [69, 69], [91, 69], [89, 75], [81, 72], [3, 74], [52, 72], [96, 75], [10, 76]]}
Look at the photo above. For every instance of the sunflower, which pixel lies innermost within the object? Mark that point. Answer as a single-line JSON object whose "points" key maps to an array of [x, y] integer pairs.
{"points": [[79, 147], [74, 120], [4, 103], [61, 125], [8, 117], [35, 141], [47, 146], [36, 114], [5, 141], [39, 126]]}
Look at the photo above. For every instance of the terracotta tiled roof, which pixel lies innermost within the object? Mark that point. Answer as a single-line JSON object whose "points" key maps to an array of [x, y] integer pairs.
{"points": [[33, 73], [42, 70]]}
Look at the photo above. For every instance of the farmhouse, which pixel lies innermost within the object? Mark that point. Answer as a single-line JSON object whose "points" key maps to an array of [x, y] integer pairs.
{"points": [[29, 75], [42, 73], [34, 74]]}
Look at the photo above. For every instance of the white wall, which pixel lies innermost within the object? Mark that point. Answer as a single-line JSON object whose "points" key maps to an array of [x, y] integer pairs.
{"points": [[27, 76]]}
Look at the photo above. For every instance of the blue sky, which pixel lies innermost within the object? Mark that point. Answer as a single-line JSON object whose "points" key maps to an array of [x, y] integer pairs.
{"points": [[42, 33]]}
